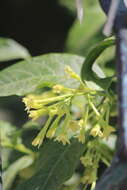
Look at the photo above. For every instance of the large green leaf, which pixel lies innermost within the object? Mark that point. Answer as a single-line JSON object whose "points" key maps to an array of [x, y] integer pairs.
{"points": [[10, 174], [10, 49], [57, 164], [82, 36], [46, 70], [87, 72]]}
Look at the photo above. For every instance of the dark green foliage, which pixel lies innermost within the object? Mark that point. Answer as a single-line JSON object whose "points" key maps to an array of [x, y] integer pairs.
{"points": [[56, 165]]}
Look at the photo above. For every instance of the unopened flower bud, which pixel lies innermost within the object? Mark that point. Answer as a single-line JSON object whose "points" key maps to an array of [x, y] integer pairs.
{"points": [[71, 73], [58, 88], [35, 114]]}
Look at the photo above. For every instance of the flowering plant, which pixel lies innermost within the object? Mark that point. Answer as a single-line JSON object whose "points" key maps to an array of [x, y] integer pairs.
{"points": [[70, 102]]}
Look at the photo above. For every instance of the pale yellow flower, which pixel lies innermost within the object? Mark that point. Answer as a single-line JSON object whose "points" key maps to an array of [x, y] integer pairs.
{"points": [[81, 136], [51, 132], [73, 125], [58, 88], [107, 131], [90, 176], [81, 122], [96, 131], [63, 138], [30, 102], [40, 137], [71, 73], [35, 114]]}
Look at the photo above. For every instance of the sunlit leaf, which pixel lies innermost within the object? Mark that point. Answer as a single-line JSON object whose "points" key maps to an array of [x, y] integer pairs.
{"points": [[47, 70]]}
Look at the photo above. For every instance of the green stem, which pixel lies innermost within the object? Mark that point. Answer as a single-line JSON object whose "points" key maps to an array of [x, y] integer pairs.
{"points": [[93, 185], [94, 108], [18, 147]]}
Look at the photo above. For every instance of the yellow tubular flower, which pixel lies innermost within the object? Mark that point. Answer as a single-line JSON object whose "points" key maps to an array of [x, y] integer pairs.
{"points": [[90, 176], [52, 99], [52, 130], [81, 122], [58, 88], [61, 89], [81, 136], [73, 125], [107, 131], [38, 101], [96, 131], [35, 114], [53, 111], [71, 73], [30, 102], [63, 138], [40, 137], [87, 160]]}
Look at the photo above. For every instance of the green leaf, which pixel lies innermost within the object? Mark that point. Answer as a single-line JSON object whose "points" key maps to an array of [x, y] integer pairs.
{"points": [[87, 72], [10, 50], [6, 131], [10, 138], [47, 70], [82, 36], [57, 164], [10, 174]]}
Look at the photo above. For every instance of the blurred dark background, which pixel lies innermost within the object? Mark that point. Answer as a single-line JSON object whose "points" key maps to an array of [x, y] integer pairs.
{"points": [[40, 25]]}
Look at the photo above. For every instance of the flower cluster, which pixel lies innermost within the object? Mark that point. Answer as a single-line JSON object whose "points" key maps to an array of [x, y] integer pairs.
{"points": [[94, 154], [81, 113], [61, 124]]}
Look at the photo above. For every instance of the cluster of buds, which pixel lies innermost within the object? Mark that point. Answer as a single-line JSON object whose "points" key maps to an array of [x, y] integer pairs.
{"points": [[56, 104], [93, 155], [51, 105], [91, 163]]}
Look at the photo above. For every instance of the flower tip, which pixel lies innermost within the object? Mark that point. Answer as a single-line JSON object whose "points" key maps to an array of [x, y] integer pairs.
{"points": [[63, 138], [35, 142], [71, 73], [58, 88], [96, 131]]}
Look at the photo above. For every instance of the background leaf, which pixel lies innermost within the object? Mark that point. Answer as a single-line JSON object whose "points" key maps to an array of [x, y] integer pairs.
{"points": [[82, 36], [6, 131], [10, 138], [47, 70], [10, 50], [57, 164], [10, 174]]}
